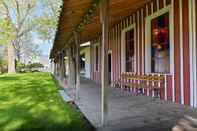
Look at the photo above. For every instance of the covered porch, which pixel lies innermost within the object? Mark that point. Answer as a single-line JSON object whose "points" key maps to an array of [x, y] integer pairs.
{"points": [[145, 46], [127, 111]]}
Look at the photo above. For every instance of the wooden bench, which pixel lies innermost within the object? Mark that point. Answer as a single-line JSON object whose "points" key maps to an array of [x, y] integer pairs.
{"points": [[145, 81]]}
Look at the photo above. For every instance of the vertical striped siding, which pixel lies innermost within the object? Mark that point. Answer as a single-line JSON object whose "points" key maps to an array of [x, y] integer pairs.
{"points": [[138, 18]]}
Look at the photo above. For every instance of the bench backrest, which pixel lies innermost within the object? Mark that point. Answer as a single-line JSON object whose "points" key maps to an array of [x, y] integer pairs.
{"points": [[148, 79]]}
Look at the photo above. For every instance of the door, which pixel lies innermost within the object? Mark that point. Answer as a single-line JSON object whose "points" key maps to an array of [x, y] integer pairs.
{"points": [[109, 68]]}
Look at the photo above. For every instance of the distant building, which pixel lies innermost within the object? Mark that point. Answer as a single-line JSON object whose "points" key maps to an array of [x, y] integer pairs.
{"points": [[46, 62]]}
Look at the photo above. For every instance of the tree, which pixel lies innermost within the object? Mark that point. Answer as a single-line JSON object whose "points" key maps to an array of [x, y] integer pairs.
{"points": [[47, 22], [27, 49], [19, 18], [16, 18]]}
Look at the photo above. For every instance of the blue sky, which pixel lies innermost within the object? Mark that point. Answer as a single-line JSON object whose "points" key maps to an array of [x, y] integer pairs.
{"points": [[44, 46]]}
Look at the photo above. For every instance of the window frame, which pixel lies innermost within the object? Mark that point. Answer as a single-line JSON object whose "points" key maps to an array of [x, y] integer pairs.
{"points": [[123, 47], [148, 37]]}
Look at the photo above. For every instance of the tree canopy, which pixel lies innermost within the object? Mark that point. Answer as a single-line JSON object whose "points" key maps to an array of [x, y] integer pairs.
{"points": [[20, 20]]}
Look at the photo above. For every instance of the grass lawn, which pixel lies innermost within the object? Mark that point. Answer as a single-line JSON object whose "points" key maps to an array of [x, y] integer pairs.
{"points": [[31, 102]]}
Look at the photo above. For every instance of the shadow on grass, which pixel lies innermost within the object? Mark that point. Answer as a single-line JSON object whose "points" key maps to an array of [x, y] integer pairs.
{"points": [[31, 102], [8, 78]]}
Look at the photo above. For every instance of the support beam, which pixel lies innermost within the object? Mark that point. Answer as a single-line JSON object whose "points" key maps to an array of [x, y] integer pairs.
{"points": [[60, 66], [64, 64], [104, 60], [61, 69], [71, 66], [77, 61], [53, 68]]}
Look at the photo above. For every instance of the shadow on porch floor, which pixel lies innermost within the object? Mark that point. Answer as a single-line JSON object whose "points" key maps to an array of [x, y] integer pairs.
{"points": [[128, 112]]}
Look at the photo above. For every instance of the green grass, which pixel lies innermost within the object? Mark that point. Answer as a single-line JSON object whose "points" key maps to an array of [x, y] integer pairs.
{"points": [[31, 102]]}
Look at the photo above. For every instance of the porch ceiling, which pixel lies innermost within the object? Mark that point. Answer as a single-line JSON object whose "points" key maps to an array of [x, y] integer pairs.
{"points": [[73, 11], [119, 9]]}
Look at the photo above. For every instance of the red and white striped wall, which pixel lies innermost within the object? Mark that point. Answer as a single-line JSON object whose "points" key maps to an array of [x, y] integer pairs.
{"points": [[182, 81]]}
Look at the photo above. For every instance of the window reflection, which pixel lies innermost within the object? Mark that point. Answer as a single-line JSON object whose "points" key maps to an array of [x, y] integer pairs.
{"points": [[160, 46], [129, 50]]}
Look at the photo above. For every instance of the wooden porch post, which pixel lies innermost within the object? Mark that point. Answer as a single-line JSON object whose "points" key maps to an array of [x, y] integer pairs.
{"points": [[60, 65], [64, 65], [71, 66], [53, 69], [56, 68], [60, 62], [77, 55], [104, 60]]}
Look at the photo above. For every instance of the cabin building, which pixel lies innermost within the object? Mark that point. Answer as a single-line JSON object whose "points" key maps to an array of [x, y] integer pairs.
{"points": [[155, 37]]}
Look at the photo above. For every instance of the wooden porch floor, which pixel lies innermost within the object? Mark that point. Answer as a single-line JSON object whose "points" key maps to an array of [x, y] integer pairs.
{"points": [[128, 112]]}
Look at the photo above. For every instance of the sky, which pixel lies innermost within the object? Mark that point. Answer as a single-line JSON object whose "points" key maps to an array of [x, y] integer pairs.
{"points": [[44, 46]]}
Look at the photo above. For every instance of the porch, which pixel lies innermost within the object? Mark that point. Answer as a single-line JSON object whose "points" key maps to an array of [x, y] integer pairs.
{"points": [[127, 111]]}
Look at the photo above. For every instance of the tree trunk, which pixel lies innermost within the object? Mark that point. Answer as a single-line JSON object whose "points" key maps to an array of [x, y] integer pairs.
{"points": [[11, 59]]}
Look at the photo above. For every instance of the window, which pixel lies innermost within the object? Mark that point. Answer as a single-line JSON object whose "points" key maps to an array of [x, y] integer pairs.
{"points": [[160, 44], [129, 41], [97, 55]]}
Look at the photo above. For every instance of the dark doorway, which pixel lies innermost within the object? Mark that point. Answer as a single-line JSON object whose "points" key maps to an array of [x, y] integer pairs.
{"points": [[82, 63], [109, 67]]}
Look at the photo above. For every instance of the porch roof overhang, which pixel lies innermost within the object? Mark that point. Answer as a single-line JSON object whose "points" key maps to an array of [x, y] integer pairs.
{"points": [[83, 16]]}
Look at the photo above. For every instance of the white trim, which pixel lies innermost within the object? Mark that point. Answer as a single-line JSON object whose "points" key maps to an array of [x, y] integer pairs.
{"points": [[123, 47], [192, 47], [164, 3], [148, 38], [194, 51], [138, 40], [157, 4], [191, 52], [152, 8], [165, 88], [145, 45], [142, 31], [135, 38], [146, 10], [172, 50], [181, 51], [195, 42]]}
